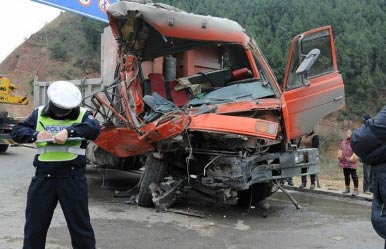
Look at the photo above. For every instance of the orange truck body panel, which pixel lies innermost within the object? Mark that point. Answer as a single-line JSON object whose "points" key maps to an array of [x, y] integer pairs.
{"points": [[122, 142], [229, 124]]}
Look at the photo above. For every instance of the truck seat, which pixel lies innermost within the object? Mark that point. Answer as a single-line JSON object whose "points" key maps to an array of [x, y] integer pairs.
{"points": [[156, 83], [241, 74]]}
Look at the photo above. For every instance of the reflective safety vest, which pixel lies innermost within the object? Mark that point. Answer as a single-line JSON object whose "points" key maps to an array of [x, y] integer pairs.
{"points": [[51, 152]]}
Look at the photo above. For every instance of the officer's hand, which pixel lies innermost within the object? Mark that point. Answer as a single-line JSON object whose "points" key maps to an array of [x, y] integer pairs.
{"points": [[44, 135], [61, 137]]}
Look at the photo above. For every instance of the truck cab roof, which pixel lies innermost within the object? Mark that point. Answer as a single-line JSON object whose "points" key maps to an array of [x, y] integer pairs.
{"points": [[155, 29]]}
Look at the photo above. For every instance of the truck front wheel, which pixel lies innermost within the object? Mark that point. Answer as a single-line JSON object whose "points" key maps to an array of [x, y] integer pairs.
{"points": [[4, 147], [154, 173]]}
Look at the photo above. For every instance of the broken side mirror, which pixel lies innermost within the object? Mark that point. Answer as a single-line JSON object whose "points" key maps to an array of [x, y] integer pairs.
{"points": [[308, 61]]}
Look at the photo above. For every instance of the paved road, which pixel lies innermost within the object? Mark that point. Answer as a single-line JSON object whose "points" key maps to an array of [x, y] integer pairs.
{"points": [[322, 222]]}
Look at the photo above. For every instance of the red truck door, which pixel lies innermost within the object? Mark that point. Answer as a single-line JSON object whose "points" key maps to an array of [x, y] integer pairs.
{"points": [[312, 93]]}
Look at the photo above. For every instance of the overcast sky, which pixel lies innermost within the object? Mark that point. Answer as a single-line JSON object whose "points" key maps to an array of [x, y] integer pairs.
{"points": [[19, 19]]}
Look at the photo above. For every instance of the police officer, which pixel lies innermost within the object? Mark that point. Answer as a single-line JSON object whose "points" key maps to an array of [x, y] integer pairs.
{"points": [[60, 166]]}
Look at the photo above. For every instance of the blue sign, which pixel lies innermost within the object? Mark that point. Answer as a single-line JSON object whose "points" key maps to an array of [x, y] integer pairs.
{"points": [[95, 9]]}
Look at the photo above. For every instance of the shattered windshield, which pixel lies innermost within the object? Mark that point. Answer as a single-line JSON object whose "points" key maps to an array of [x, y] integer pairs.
{"points": [[234, 93]]}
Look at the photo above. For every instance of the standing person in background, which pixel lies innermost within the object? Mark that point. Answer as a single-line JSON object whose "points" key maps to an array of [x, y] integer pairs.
{"points": [[60, 164], [311, 140], [366, 178], [349, 162]]}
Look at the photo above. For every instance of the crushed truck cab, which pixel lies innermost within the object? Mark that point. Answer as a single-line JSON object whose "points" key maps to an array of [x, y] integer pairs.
{"points": [[195, 95]]}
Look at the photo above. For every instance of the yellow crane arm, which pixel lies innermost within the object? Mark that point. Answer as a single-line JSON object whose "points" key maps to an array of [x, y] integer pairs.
{"points": [[6, 97], [15, 100]]}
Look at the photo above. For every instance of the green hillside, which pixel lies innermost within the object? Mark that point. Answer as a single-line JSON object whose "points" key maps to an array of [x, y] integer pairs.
{"points": [[73, 41]]}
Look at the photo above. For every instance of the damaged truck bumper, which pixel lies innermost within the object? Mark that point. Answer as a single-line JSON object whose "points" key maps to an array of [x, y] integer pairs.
{"points": [[244, 172]]}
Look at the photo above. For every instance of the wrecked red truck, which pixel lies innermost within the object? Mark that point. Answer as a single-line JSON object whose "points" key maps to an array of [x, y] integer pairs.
{"points": [[195, 97]]}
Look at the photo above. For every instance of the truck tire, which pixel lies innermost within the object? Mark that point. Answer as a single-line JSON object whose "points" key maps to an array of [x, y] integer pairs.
{"points": [[154, 172], [4, 147], [257, 192]]}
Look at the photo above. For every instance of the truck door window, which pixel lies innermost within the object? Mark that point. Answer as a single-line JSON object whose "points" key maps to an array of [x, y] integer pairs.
{"points": [[324, 63]]}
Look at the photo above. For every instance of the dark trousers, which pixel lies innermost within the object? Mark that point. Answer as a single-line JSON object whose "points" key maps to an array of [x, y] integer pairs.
{"points": [[366, 178], [378, 213], [312, 177], [45, 191], [353, 172]]}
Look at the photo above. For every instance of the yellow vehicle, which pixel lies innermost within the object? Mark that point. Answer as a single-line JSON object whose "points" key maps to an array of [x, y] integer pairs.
{"points": [[6, 93], [6, 122]]}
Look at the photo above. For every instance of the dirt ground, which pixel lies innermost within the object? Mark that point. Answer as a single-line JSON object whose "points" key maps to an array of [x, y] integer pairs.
{"points": [[331, 184]]}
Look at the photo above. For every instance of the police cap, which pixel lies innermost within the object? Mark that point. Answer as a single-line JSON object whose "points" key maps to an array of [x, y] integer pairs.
{"points": [[64, 94]]}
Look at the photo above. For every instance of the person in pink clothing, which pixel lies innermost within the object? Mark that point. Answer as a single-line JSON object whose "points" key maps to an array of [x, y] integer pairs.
{"points": [[349, 162]]}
